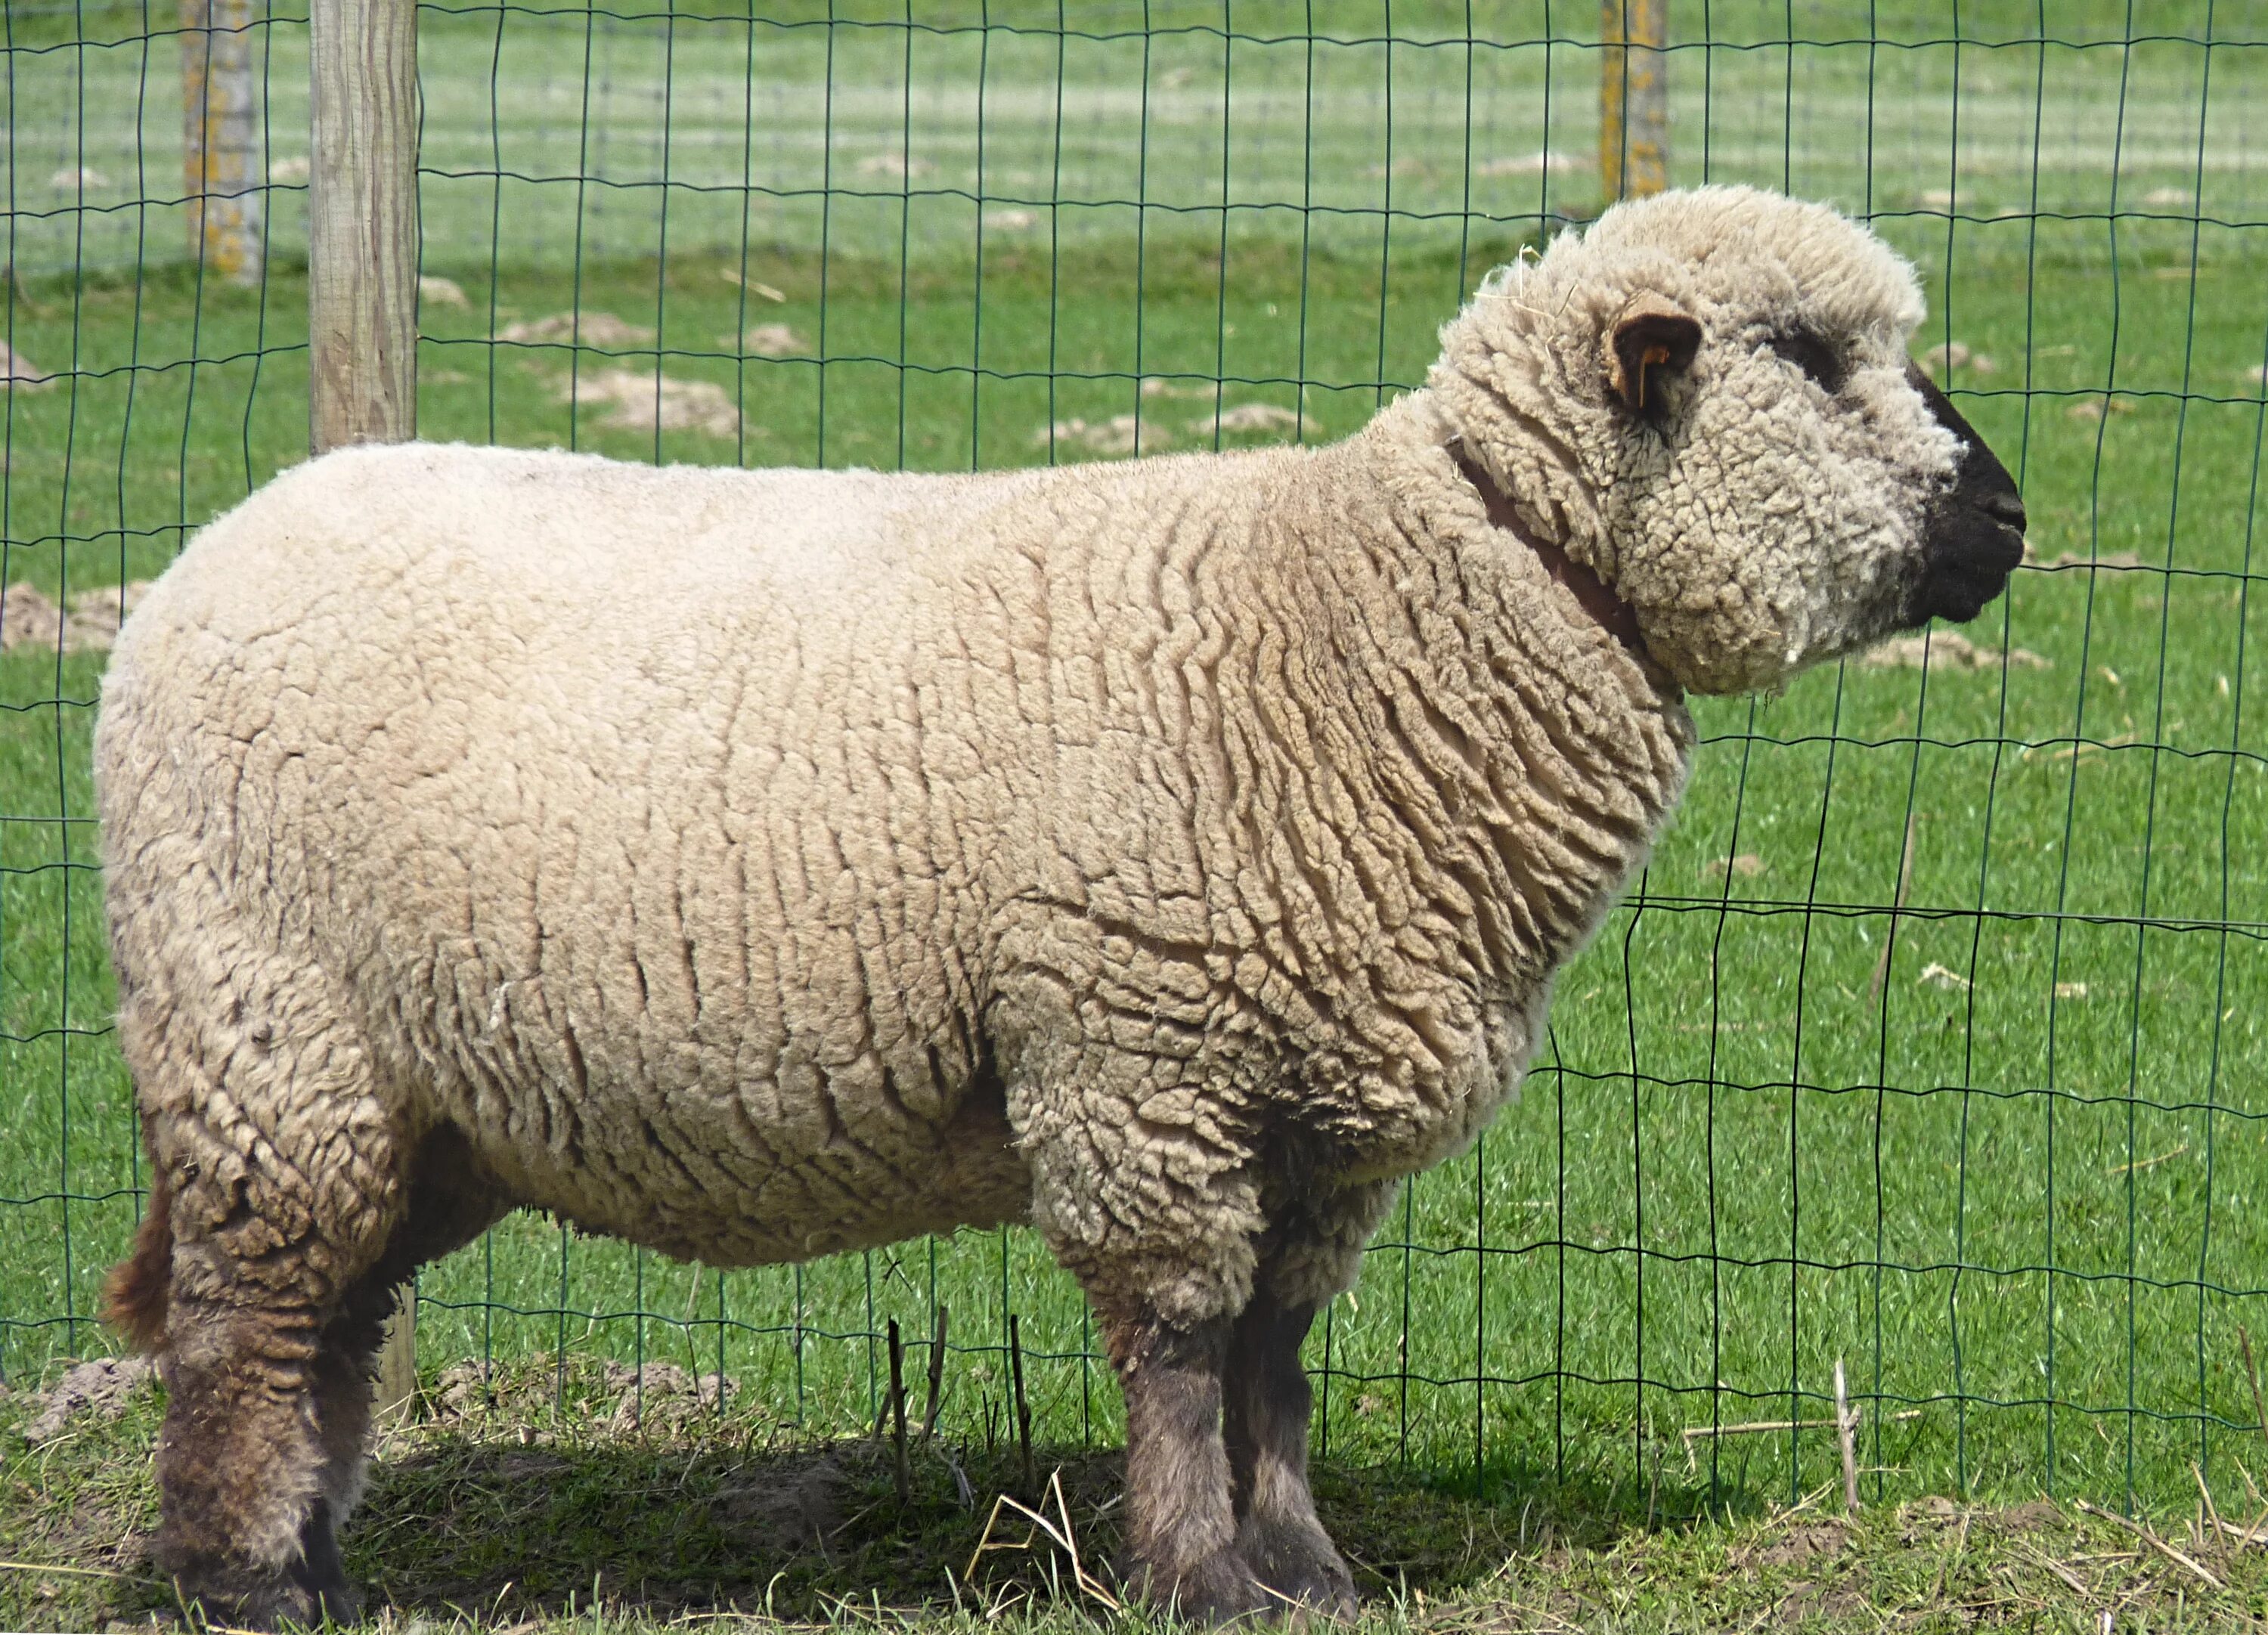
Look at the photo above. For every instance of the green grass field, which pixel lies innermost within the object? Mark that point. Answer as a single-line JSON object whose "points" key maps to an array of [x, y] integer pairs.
{"points": [[2001, 1151], [525, 1507]]}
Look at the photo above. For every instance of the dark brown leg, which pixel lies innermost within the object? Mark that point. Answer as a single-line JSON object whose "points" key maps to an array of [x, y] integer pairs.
{"points": [[344, 1373], [266, 1438], [1181, 1529], [1269, 1403], [240, 1463], [451, 1202]]}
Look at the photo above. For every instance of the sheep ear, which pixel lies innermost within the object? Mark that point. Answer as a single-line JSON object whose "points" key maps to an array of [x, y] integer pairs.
{"points": [[1653, 334]]}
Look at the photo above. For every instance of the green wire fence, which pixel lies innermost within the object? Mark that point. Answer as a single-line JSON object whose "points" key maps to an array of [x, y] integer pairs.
{"points": [[1930, 1042]]}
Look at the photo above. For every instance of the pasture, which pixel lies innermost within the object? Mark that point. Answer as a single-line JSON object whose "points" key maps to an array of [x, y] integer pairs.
{"points": [[1933, 1039]]}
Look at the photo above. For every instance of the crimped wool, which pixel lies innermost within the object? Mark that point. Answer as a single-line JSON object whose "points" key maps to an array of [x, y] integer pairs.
{"points": [[758, 865]]}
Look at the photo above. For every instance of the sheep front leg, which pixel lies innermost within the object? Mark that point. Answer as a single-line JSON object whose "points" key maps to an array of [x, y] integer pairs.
{"points": [[1269, 1404], [1181, 1528]]}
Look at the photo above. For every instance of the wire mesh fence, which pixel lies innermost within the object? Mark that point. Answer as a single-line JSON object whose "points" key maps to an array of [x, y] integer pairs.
{"points": [[1930, 1041]]}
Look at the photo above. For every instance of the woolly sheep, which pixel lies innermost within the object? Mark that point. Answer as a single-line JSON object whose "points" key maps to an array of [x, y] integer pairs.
{"points": [[1174, 854]]}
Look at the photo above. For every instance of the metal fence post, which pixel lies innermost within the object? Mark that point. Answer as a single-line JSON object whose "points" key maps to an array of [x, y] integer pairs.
{"points": [[220, 138], [1633, 97], [362, 304]]}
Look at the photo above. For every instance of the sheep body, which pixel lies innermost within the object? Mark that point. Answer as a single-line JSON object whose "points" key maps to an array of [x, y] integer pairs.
{"points": [[760, 865], [716, 889]]}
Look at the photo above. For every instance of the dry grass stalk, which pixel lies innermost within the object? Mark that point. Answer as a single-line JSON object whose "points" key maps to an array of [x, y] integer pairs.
{"points": [[1890, 938], [2205, 1498], [2059, 1570], [936, 1375], [1058, 1533], [49, 1566], [2252, 1372], [1847, 1426], [754, 286], [1023, 1406], [1693, 1433], [900, 1473], [2149, 1534]]}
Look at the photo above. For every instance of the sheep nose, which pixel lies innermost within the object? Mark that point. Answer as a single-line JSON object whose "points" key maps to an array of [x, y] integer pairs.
{"points": [[2007, 506]]}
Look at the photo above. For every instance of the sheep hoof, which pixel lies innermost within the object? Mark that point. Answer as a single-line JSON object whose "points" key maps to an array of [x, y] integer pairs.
{"points": [[1217, 1590], [293, 1597], [1301, 1564]]}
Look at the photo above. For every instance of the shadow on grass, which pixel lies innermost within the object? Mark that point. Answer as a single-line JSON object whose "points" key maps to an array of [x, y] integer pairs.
{"points": [[526, 1495], [710, 1518], [516, 1497]]}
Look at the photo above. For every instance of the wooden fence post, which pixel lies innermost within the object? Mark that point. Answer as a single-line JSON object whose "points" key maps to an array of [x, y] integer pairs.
{"points": [[1633, 97], [362, 223], [220, 138], [362, 307]]}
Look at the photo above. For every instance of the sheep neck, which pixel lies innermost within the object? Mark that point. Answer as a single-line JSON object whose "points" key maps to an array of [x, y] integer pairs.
{"points": [[1607, 610]]}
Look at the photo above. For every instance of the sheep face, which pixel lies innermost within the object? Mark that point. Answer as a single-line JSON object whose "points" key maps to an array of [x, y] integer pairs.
{"points": [[1707, 399]]}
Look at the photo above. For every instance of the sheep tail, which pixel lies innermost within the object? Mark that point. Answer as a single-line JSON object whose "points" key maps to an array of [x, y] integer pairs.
{"points": [[137, 1293]]}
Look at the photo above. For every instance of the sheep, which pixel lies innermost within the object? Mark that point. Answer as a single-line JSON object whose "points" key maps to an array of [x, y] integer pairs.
{"points": [[756, 865]]}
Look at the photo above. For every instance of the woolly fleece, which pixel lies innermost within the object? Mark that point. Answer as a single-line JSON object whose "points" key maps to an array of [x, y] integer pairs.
{"points": [[759, 865]]}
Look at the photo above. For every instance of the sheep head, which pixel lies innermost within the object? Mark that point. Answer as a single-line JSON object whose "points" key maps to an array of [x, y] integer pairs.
{"points": [[1706, 399]]}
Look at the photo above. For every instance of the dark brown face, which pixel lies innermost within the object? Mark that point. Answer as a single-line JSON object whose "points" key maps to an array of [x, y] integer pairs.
{"points": [[1974, 532]]}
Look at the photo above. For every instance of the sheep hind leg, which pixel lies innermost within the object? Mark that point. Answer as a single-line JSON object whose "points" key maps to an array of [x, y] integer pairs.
{"points": [[1269, 1403], [239, 1464], [451, 1202], [1181, 1530]]}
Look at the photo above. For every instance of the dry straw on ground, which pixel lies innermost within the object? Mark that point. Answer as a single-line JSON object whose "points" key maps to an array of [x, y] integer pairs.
{"points": [[773, 341], [754, 286], [19, 373], [1950, 649], [1948, 355], [581, 328], [1529, 165], [635, 401], [1121, 434], [30, 618], [1250, 417]]}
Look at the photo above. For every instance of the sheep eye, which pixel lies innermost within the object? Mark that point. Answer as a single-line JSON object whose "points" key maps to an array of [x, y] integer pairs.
{"points": [[1807, 352]]}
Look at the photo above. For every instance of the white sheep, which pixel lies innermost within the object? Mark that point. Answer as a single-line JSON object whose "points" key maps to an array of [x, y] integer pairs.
{"points": [[757, 864]]}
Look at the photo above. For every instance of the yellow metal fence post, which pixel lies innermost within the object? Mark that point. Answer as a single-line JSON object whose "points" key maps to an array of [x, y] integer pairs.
{"points": [[1633, 97], [220, 138]]}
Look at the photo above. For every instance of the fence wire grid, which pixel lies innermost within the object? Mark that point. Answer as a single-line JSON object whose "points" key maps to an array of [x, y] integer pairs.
{"points": [[1930, 1040]]}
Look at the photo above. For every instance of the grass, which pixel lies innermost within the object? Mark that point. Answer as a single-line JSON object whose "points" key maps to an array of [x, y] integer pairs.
{"points": [[1932, 1040], [550, 129], [517, 1506], [1795, 1160]]}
